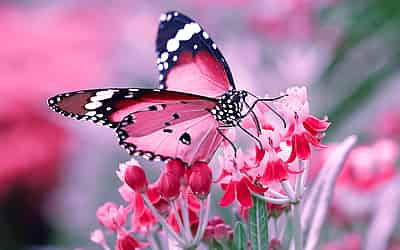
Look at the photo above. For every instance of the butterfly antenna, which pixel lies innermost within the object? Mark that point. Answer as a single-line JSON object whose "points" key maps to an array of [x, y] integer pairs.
{"points": [[254, 117], [263, 100], [277, 114]]}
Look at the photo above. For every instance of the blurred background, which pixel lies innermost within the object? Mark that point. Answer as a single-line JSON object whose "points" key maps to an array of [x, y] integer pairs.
{"points": [[55, 172]]}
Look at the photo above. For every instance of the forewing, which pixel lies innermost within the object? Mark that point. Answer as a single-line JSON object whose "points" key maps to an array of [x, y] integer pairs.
{"points": [[176, 132], [109, 106], [188, 59]]}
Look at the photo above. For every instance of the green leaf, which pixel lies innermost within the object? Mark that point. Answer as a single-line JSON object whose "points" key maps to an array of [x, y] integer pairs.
{"points": [[258, 225], [216, 245], [365, 90], [239, 237], [372, 13]]}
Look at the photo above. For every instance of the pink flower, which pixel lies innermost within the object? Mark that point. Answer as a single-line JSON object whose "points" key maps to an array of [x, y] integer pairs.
{"points": [[367, 169], [217, 230], [369, 166], [30, 161], [303, 129], [236, 186], [351, 241], [112, 217], [200, 179], [127, 242], [143, 222]]}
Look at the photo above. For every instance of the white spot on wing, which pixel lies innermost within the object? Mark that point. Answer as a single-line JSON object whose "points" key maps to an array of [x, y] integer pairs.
{"points": [[164, 56], [184, 34], [172, 45], [205, 35], [91, 113], [93, 105]]}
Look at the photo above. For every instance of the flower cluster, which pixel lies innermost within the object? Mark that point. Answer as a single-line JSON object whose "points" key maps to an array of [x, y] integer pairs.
{"points": [[272, 170]]}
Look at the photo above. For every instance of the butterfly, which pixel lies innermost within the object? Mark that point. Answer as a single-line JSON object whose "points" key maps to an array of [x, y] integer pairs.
{"points": [[187, 117]]}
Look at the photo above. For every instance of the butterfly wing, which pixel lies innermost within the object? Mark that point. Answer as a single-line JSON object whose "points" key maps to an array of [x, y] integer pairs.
{"points": [[178, 131], [156, 124], [188, 59], [109, 106]]}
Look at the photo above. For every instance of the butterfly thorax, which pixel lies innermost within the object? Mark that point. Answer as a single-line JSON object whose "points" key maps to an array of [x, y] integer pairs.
{"points": [[229, 107]]}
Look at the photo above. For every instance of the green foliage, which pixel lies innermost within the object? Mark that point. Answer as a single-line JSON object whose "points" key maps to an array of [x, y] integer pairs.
{"points": [[240, 237], [367, 55], [258, 225]]}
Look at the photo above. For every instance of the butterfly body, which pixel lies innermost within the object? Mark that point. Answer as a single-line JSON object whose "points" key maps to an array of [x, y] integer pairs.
{"points": [[229, 107]]}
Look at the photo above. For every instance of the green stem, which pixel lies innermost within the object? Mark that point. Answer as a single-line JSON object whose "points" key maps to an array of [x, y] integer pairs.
{"points": [[297, 232]]}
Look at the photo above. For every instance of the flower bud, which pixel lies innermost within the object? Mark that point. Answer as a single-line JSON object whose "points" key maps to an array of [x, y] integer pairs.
{"points": [[127, 242], [136, 179], [200, 179], [177, 169], [169, 186]]}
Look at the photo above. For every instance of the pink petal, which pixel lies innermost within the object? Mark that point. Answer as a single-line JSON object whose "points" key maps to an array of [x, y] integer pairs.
{"points": [[243, 194], [229, 195], [316, 124], [293, 155], [302, 147]]}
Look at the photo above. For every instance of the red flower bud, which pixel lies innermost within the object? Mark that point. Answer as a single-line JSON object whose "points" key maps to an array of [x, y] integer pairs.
{"points": [[127, 242], [136, 178], [200, 179], [169, 186], [176, 168]]}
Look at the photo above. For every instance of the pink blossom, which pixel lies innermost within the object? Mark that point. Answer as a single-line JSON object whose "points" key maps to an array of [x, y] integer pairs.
{"points": [[369, 166], [22, 129], [217, 230], [111, 216], [303, 129]]}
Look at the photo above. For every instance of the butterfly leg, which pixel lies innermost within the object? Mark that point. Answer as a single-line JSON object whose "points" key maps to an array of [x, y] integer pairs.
{"points": [[254, 117], [227, 139], [251, 135], [250, 108]]}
